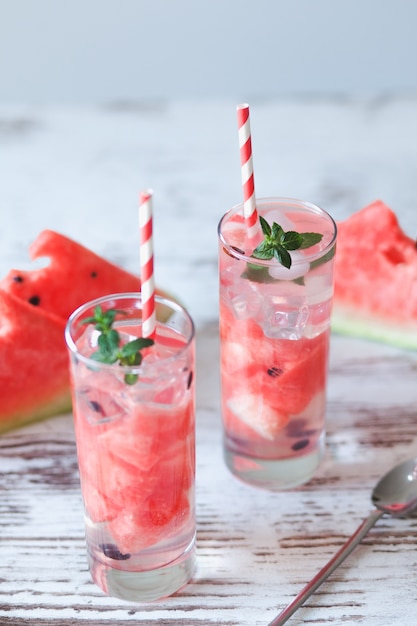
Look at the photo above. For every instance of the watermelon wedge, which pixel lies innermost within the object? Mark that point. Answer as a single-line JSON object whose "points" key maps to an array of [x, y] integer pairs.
{"points": [[34, 381], [74, 275], [376, 278], [34, 307]]}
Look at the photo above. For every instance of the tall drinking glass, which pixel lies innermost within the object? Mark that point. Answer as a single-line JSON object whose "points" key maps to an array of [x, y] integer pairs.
{"points": [[135, 436], [274, 340]]}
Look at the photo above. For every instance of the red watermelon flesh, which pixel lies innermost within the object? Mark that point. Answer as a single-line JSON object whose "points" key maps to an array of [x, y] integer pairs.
{"points": [[34, 380], [376, 278], [74, 275], [273, 389], [145, 496], [34, 307]]}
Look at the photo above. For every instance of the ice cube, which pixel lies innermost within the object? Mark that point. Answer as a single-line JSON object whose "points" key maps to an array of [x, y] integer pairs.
{"points": [[172, 391], [162, 382], [281, 219], [245, 299], [318, 288], [87, 341], [298, 268], [99, 406], [284, 322]]}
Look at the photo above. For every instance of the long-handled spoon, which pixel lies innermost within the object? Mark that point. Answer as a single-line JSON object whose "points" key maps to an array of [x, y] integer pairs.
{"points": [[396, 494]]}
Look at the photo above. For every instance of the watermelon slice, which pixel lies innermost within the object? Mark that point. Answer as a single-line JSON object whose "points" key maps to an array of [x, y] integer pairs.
{"points": [[34, 381], [73, 276], [34, 307], [376, 278]]}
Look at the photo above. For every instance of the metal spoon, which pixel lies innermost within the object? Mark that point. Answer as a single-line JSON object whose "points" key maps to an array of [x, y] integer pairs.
{"points": [[396, 494]]}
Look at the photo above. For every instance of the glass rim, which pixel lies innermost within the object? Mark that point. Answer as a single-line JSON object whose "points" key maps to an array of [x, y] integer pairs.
{"points": [[126, 369], [296, 204]]}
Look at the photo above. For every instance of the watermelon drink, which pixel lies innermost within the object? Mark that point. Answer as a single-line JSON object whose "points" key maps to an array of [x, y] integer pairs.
{"points": [[135, 436], [274, 339]]}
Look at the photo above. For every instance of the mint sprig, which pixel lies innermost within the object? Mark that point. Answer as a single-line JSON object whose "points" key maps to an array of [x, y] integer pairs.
{"points": [[108, 342], [277, 243]]}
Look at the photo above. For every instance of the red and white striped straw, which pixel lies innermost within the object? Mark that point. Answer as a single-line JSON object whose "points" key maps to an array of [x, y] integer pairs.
{"points": [[146, 264], [248, 182]]}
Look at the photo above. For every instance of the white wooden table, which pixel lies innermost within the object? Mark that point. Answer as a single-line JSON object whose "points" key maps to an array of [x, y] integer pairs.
{"points": [[79, 171]]}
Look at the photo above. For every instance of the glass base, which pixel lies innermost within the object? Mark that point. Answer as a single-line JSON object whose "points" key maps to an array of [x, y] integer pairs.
{"points": [[144, 586], [275, 475]]}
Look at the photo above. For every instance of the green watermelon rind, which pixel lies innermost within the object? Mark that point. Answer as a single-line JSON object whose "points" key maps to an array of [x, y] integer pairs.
{"points": [[375, 278], [346, 321], [60, 405]]}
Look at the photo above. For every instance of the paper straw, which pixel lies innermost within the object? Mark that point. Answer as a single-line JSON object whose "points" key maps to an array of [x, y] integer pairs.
{"points": [[248, 182], [146, 264]]}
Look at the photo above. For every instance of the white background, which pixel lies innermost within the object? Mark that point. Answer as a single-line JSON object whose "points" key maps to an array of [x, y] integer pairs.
{"points": [[89, 51], [102, 98]]}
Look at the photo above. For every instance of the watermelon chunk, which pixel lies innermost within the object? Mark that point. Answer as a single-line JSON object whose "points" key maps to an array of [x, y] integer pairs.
{"points": [[74, 275], [267, 391], [34, 379], [376, 278], [34, 307], [146, 495]]}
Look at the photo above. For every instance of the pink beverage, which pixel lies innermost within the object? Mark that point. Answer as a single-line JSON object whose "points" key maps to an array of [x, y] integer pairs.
{"points": [[135, 435], [274, 340]]}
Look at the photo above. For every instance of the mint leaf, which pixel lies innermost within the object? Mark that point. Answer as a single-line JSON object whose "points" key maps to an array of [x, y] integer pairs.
{"points": [[292, 240], [266, 229], [264, 251], [282, 256], [103, 320], [277, 232], [108, 342], [310, 239], [130, 352], [135, 346], [277, 243]]}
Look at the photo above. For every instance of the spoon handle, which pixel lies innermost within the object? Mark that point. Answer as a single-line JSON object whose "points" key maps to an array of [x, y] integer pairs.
{"points": [[325, 572]]}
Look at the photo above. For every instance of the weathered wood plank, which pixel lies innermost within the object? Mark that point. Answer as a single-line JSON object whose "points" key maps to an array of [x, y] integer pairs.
{"points": [[255, 549]]}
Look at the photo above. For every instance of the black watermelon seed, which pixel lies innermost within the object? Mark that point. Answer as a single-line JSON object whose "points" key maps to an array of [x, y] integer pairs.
{"points": [[96, 406], [275, 371], [35, 300], [297, 428], [93, 274], [190, 380], [18, 278], [299, 445], [112, 552]]}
